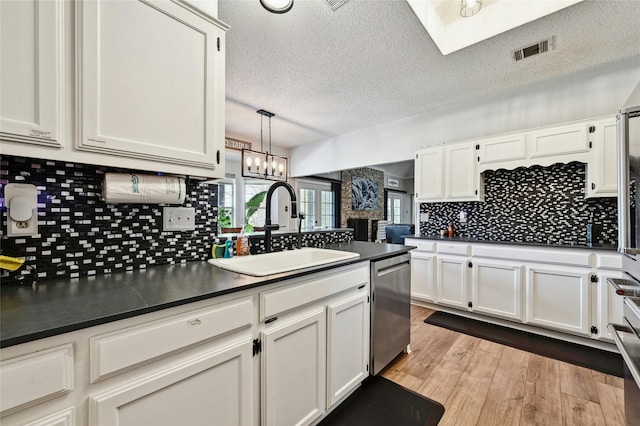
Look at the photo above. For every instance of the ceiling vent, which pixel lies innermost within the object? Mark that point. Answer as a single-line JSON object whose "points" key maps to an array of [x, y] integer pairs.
{"points": [[533, 49], [335, 4]]}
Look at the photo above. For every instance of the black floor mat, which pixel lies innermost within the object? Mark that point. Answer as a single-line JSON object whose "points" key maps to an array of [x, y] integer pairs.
{"points": [[381, 402], [584, 356]]}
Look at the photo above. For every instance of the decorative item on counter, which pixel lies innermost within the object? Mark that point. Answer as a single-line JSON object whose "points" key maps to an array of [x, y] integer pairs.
{"points": [[242, 244], [143, 189], [10, 263], [228, 249], [451, 229]]}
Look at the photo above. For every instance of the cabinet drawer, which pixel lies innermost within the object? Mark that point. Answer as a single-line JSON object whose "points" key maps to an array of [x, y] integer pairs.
{"points": [[122, 349], [459, 249], [33, 378], [421, 245], [609, 261], [280, 300]]}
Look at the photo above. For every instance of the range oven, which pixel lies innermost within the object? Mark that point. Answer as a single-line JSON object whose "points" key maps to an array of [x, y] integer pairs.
{"points": [[627, 335]]}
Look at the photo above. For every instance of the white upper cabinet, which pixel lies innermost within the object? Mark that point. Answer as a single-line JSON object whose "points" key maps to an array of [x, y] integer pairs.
{"points": [[429, 174], [460, 172], [447, 173], [559, 140], [150, 82], [30, 71], [507, 148], [602, 171]]}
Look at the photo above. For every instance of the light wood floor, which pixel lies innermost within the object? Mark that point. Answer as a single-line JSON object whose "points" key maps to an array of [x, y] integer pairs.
{"points": [[484, 383]]}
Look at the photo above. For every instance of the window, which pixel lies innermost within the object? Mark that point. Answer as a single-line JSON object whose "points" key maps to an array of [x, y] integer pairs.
{"points": [[317, 202], [226, 204], [394, 207], [252, 189]]}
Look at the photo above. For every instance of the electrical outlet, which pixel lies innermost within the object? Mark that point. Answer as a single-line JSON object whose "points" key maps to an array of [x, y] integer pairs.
{"points": [[424, 217], [178, 219], [21, 200]]}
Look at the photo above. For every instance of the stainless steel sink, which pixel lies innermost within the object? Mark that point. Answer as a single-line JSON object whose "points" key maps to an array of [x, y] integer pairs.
{"points": [[284, 261]]}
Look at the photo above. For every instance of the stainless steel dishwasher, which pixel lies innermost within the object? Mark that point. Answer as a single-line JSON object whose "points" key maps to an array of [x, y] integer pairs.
{"points": [[390, 309]]}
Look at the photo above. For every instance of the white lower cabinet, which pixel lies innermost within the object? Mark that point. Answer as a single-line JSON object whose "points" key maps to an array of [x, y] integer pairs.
{"points": [[213, 387], [315, 350], [559, 298], [348, 345], [496, 289], [452, 281], [423, 276], [294, 370]]}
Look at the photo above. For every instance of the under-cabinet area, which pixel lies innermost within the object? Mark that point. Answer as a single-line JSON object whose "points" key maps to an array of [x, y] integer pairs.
{"points": [[561, 290], [282, 351]]}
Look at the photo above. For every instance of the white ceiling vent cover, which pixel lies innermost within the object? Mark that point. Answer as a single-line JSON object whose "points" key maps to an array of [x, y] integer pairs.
{"points": [[542, 46], [335, 4]]}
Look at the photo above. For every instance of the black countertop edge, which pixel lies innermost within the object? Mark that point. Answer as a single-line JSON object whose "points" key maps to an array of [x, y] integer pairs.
{"points": [[457, 239], [59, 306]]}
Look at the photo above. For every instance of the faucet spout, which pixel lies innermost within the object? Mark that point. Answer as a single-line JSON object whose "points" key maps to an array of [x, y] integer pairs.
{"points": [[268, 227]]}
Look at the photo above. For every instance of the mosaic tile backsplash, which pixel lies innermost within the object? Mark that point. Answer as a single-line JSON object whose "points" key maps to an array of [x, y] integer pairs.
{"points": [[80, 234], [535, 204]]}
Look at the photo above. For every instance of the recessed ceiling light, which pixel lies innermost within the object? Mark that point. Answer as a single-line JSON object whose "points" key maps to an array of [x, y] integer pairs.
{"points": [[277, 6]]}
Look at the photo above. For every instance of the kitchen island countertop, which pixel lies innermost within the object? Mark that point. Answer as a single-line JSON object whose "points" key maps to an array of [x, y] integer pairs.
{"points": [[54, 307]]}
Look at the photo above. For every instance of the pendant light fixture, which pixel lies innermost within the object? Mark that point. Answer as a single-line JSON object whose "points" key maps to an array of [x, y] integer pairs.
{"points": [[263, 164], [277, 6], [470, 7]]}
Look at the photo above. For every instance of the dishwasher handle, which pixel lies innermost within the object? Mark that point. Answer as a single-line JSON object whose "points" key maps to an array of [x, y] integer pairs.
{"points": [[393, 268]]}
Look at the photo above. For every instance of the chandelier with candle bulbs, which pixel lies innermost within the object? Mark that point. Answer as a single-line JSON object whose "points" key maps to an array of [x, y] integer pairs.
{"points": [[263, 164]]}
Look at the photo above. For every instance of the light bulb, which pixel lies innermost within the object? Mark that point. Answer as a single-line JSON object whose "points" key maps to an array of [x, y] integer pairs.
{"points": [[258, 163], [249, 162]]}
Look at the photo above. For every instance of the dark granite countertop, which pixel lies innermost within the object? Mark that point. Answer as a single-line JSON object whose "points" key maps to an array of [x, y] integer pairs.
{"points": [[54, 307], [459, 239]]}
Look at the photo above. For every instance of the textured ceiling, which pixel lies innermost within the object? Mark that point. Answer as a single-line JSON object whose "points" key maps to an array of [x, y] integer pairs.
{"points": [[326, 73]]}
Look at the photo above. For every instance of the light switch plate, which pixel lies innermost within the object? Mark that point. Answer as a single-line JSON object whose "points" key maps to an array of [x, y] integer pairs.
{"points": [[178, 218]]}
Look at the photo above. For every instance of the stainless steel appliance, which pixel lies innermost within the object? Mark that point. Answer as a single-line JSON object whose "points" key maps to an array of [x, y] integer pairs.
{"points": [[627, 335], [390, 310]]}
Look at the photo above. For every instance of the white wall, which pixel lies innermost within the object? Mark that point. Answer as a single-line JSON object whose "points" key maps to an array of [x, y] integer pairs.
{"points": [[593, 93]]}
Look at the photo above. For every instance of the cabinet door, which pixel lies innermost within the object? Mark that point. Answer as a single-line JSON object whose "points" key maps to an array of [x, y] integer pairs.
{"points": [[31, 78], [497, 289], [429, 174], [452, 279], [294, 369], [602, 172], [559, 140], [559, 298], [150, 82], [66, 417], [348, 345], [504, 149], [423, 276], [460, 172], [213, 388]]}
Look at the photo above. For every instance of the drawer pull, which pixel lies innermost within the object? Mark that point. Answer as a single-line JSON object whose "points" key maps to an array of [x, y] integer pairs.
{"points": [[362, 286], [270, 320], [195, 322]]}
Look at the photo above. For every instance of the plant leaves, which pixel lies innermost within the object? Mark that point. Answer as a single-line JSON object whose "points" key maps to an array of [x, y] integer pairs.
{"points": [[253, 204]]}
